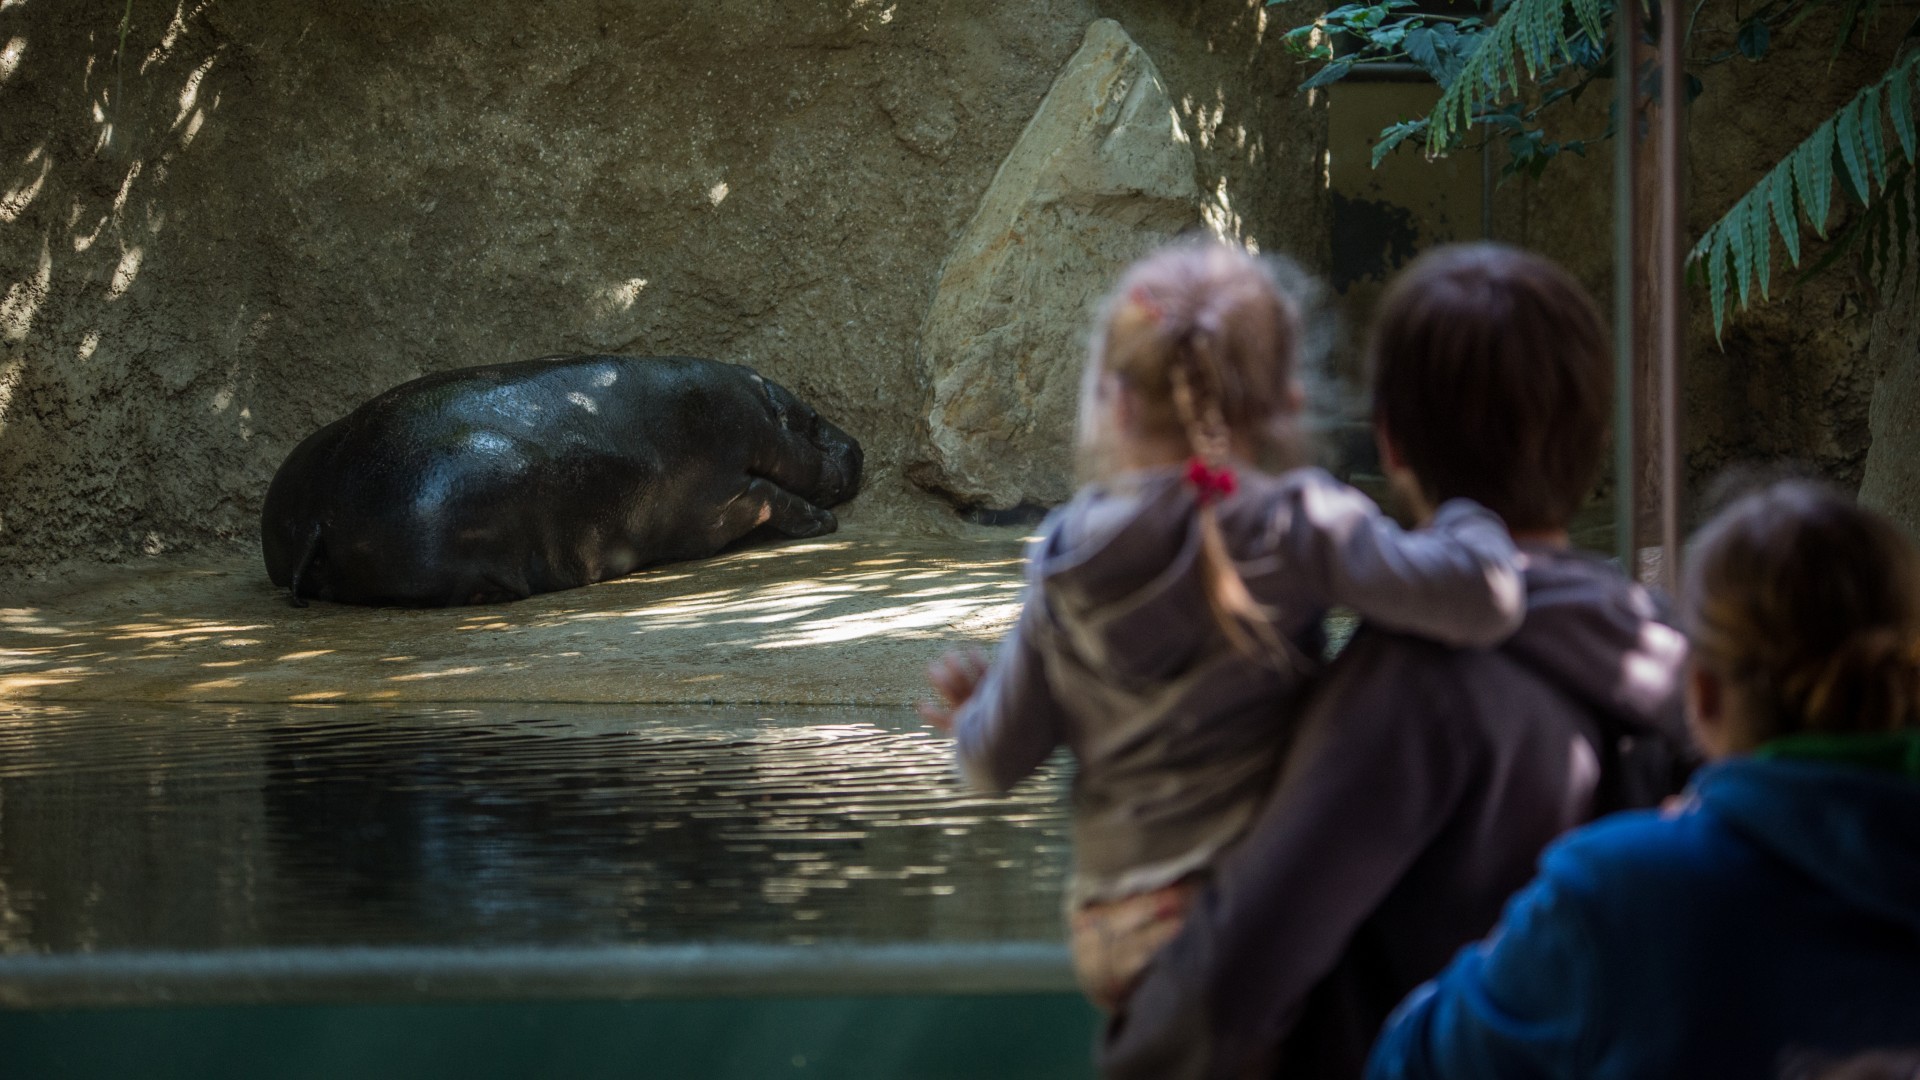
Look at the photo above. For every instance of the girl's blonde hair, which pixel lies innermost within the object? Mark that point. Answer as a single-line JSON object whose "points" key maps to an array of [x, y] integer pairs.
{"points": [[1809, 605], [1208, 342]]}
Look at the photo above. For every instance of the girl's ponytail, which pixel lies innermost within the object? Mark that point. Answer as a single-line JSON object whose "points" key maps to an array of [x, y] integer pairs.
{"points": [[1870, 683], [1247, 625]]}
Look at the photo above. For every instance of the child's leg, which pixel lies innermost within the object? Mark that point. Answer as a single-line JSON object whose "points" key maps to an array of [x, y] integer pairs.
{"points": [[1113, 940]]}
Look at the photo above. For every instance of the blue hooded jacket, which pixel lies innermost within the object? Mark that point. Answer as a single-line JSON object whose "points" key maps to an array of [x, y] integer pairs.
{"points": [[1777, 916]]}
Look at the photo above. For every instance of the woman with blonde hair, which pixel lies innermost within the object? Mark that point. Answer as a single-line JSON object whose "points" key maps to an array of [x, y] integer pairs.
{"points": [[1776, 914]]}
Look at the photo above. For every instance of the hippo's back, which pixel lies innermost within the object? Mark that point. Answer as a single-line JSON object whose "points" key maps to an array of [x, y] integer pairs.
{"points": [[487, 483]]}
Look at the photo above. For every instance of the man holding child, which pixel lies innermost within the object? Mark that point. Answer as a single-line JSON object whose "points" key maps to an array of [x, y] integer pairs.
{"points": [[1424, 780]]}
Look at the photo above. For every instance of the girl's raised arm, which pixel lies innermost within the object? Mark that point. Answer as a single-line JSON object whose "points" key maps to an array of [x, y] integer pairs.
{"points": [[1456, 581]]}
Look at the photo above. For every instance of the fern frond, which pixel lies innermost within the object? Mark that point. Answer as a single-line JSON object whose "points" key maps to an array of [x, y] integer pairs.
{"points": [[1717, 276], [1532, 33], [1900, 109], [1760, 236], [1871, 136], [1741, 243], [1813, 172], [1742, 239], [1847, 139], [1780, 196]]}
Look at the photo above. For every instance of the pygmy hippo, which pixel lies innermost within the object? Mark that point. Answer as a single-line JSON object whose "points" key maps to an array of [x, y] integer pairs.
{"points": [[495, 483]]}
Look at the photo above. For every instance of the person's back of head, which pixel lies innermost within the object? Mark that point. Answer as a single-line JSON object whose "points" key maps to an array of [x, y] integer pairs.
{"points": [[1207, 339], [1491, 381], [1805, 608], [1197, 348]]}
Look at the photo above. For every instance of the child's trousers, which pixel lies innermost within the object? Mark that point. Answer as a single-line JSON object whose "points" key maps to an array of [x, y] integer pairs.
{"points": [[1112, 940]]}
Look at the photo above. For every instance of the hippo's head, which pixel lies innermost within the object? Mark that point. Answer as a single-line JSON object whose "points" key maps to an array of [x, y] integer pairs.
{"points": [[840, 457]]}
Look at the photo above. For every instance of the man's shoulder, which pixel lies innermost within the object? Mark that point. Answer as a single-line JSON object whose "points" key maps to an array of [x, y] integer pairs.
{"points": [[1376, 658], [1406, 680]]}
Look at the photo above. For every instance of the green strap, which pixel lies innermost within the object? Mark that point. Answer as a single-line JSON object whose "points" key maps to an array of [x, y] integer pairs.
{"points": [[1892, 752]]}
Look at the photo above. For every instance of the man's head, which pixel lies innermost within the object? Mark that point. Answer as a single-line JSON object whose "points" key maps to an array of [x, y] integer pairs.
{"points": [[1491, 381]]}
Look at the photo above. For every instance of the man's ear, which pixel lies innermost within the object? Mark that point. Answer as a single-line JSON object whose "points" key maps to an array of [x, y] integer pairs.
{"points": [[1405, 485], [1707, 710], [1390, 459]]}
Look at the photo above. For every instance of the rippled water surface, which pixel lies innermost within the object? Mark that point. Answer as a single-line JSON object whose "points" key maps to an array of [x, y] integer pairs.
{"points": [[198, 827]]}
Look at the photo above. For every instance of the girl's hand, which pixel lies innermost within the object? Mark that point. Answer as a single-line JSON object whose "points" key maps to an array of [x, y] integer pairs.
{"points": [[954, 677]]}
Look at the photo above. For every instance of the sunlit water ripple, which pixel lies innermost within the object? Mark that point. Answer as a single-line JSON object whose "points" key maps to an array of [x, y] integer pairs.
{"points": [[229, 826]]}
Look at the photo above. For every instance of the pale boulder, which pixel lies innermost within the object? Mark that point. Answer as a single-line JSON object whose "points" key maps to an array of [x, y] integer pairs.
{"points": [[1102, 174]]}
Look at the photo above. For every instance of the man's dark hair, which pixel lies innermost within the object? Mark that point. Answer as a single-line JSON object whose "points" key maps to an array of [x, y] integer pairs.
{"points": [[1491, 376]]}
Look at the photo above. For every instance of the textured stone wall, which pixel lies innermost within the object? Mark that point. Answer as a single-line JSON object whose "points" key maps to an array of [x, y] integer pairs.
{"points": [[258, 214], [1891, 479]]}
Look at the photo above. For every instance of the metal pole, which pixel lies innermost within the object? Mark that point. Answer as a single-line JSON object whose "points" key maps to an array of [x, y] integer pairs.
{"points": [[1626, 135], [1673, 106]]}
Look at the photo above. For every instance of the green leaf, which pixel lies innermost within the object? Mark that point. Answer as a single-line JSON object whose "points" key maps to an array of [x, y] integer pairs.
{"points": [[1439, 50], [1847, 138], [1592, 18], [1328, 75], [1759, 235], [1394, 136], [1813, 172], [1872, 136], [1717, 277], [1736, 232], [1780, 197], [1900, 107], [1754, 38]]}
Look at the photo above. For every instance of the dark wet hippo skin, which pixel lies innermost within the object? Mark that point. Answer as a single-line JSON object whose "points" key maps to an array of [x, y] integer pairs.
{"points": [[496, 483]]}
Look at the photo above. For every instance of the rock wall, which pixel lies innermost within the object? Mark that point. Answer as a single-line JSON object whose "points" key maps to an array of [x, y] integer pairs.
{"points": [[1891, 478], [255, 215]]}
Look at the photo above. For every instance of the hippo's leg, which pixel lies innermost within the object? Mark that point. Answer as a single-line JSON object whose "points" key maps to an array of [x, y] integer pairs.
{"points": [[764, 504]]}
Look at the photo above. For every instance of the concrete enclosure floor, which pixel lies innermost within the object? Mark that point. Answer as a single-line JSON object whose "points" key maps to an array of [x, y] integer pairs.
{"points": [[851, 618]]}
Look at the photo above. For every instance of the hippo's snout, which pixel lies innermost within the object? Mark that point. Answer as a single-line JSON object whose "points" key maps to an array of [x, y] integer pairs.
{"points": [[841, 460]]}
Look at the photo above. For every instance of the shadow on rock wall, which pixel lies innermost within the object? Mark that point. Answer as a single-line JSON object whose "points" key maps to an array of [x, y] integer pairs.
{"points": [[256, 215], [95, 365]]}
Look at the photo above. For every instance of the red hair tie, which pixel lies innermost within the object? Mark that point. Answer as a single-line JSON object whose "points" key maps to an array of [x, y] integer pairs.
{"points": [[1210, 484], [1139, 297]]}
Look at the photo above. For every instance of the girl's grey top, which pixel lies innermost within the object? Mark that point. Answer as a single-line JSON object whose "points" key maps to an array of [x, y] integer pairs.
{"points": [[1117, 656]]}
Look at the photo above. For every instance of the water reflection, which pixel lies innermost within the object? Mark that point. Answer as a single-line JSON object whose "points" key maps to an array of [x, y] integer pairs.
{"points": [[198, 827]]}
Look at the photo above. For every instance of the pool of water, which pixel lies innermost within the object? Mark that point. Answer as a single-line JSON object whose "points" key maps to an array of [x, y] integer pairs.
{"points": [[203, 828]]}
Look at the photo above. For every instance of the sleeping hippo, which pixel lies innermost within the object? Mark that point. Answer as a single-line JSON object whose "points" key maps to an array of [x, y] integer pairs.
{"points": [[496, 483]]}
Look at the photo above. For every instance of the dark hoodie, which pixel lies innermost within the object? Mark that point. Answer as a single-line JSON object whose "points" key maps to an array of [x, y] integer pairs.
{"points": [[1422, 786], [1177, 734], [1776, 918]]}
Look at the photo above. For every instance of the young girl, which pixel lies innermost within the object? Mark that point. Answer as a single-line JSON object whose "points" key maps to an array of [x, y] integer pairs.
{"points": [[1175, 601], [1774, 917]]}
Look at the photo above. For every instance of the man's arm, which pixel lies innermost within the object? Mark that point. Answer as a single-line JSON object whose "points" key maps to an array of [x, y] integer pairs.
{"points": [[1380, 762]]}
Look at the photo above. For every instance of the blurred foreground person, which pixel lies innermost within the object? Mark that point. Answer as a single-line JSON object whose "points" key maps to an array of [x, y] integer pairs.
{"points": [[1425, 780], [1176, 601], [1776, 914]]}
